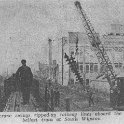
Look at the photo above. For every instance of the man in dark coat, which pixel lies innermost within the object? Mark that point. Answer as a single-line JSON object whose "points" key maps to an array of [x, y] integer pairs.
{"points": [[25, 77]]}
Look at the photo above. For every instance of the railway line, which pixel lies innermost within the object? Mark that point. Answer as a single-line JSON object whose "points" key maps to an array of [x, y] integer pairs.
{"points": [[14, 99], [10, 103], [14, 104], [37, 103]]}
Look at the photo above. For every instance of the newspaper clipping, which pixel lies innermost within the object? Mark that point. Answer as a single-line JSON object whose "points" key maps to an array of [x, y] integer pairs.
{"points": [[62, 117], [61, 61]]}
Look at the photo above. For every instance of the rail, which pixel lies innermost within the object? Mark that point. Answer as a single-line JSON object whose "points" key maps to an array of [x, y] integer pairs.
{"points": [[13, 99], [14, 103], [11, 103]]}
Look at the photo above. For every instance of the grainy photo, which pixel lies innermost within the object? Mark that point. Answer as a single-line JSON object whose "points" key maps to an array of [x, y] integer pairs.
{"points": [[61, 55]]}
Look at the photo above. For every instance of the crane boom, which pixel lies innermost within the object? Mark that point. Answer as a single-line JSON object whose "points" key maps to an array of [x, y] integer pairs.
{"points": [[100, 52]]}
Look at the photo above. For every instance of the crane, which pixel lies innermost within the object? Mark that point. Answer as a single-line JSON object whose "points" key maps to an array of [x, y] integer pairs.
{"points": [[108, 71]]}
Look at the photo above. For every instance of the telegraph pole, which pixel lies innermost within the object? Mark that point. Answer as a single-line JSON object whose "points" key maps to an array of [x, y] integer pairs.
{"points": [[84, 65], [50, 58], [62, 58]]}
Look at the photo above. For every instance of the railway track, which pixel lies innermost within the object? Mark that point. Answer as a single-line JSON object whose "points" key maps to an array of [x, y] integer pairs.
{"points": [[37, 101], [14, 104], [11, 104], [36, 104]]}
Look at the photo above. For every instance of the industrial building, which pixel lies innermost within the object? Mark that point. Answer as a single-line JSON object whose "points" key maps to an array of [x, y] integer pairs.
{"points": [[89, 66], [79, 47]]}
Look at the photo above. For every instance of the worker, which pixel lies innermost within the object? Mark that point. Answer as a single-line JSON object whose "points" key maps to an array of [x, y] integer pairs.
{"points": [[46, 98], [57, 97], [25, 77], [13, 83], [52, 98], [116, 96], [90, 97]]}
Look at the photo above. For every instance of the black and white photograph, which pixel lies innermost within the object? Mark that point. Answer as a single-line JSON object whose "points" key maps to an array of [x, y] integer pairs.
{"points": [[61, 55]]}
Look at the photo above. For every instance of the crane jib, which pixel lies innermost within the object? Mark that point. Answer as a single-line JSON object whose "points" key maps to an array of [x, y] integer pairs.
{"points": [[99, 48]]}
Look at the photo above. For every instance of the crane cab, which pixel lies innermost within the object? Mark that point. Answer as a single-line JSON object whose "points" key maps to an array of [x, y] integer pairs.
{"points": [[120, 85], [117, 96]]}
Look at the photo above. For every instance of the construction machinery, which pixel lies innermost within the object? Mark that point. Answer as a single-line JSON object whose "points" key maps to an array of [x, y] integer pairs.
{"points": [[99, 50], [116, 83]]}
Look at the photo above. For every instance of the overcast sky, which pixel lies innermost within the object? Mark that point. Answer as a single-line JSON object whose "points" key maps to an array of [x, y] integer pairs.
{"points": [[26, 25]]}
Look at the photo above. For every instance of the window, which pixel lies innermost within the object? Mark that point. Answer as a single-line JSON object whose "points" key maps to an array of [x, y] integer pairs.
{"points": [[111, 34], [116, 65], [95, 68], [81, 51], [81, 68], [120, 65], [91, 67], [87, 81], [117, 34], [102, 68], [87, 68]]}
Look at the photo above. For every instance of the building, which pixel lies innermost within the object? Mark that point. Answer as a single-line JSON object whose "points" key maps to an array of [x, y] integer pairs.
{"points": [[79, 47], [114, 45], [89, 66], [44, 71], [87, 60]]}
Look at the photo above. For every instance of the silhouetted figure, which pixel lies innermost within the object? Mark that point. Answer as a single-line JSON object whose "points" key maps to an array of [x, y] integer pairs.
{"points": [[25, 77], [7, 90], [52, 98], [47, 98], [116, 96], [13, 83], [57, 97], [90, 97]]}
